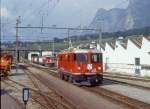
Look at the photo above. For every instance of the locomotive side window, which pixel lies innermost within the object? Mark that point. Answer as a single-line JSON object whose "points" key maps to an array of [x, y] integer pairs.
{"points": [[68, 58], [96, 58], [60, 58], [80, 58]]}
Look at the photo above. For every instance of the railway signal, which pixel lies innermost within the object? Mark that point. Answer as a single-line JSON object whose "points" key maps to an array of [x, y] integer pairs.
{"points": [[25, 96]]}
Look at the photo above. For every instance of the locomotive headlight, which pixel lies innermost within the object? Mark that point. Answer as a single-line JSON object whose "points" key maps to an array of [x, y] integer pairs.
{"points": [[89, 66], [99, 68], [79, 68]]}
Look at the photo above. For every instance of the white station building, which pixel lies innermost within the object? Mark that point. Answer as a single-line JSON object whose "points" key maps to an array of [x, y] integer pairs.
{"points": [[128, 56]]}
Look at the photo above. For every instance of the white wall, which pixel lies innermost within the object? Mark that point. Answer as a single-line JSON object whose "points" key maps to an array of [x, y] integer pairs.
{"points": [[145, 50], [29, 55], [119, 60]]}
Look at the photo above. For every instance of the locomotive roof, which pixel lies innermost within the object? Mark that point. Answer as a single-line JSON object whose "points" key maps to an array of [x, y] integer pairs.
{"points": [[81, 51], [51, 56], [86, 51]]}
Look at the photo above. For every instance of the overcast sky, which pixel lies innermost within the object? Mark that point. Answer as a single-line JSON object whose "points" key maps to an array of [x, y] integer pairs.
{"points": [[69, 13]]}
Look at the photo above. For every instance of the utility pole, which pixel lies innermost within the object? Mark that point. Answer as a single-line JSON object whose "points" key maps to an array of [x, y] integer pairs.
{"points": [[100, 38], [53, 46], [68, 38], [100, 33], [17, 35], [50, 43], [1, 27], [42, 24]]}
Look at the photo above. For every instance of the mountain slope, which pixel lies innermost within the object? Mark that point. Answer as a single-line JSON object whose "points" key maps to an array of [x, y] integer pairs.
{"points": [[136, 15]]}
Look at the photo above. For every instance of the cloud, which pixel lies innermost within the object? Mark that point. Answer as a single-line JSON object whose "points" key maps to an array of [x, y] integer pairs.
{"points": [[70, 13], [4, 12]]}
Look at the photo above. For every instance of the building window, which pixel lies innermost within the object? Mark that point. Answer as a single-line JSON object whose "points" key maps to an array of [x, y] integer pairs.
{"points": [[137, 61]]}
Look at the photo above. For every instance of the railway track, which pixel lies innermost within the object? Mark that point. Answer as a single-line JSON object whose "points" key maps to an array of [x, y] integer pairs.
{"points": [[33, 97], [135, 78], [48, 103], [53, 72], [38, 94], [59, 103], [113, 96], [106, 74], [46, 99]]}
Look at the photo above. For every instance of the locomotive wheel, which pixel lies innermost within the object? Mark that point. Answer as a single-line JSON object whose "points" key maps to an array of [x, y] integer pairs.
{"points": [[66, 77], [70, 79], [6, 74], [100, 81], [62, 76]]}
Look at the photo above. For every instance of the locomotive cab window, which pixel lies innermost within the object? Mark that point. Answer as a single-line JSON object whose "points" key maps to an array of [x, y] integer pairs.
{"points": [[80, 58], [96, 58]]}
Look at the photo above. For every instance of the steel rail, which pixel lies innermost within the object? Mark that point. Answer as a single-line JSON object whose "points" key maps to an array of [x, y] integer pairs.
{"points": [[36, 85], [62, 104]]}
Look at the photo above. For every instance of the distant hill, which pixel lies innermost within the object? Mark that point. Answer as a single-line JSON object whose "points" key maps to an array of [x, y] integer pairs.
{"points": [[136, 15], [62, 43], [133, 32]]}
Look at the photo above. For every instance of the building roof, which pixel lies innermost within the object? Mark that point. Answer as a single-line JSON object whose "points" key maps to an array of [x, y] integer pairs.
{"points": [[137, 41], [148, 38], [103, 45], [124, 43], [112, 44]]}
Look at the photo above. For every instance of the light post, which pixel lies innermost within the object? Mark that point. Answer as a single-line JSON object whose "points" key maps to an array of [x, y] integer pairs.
{"points": [[25, 96], [17, 35], [68, 32]]}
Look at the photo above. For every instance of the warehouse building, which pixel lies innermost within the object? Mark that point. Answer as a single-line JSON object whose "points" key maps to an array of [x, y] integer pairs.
{"points": [[128, 56]]}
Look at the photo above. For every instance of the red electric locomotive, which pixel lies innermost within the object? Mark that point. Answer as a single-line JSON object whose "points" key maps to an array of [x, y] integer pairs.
{"points": [[81, 66]]}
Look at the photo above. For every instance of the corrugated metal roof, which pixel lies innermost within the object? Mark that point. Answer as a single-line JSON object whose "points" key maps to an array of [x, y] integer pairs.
{"points": [[148, 38], [137, 41], [112, 44]]}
